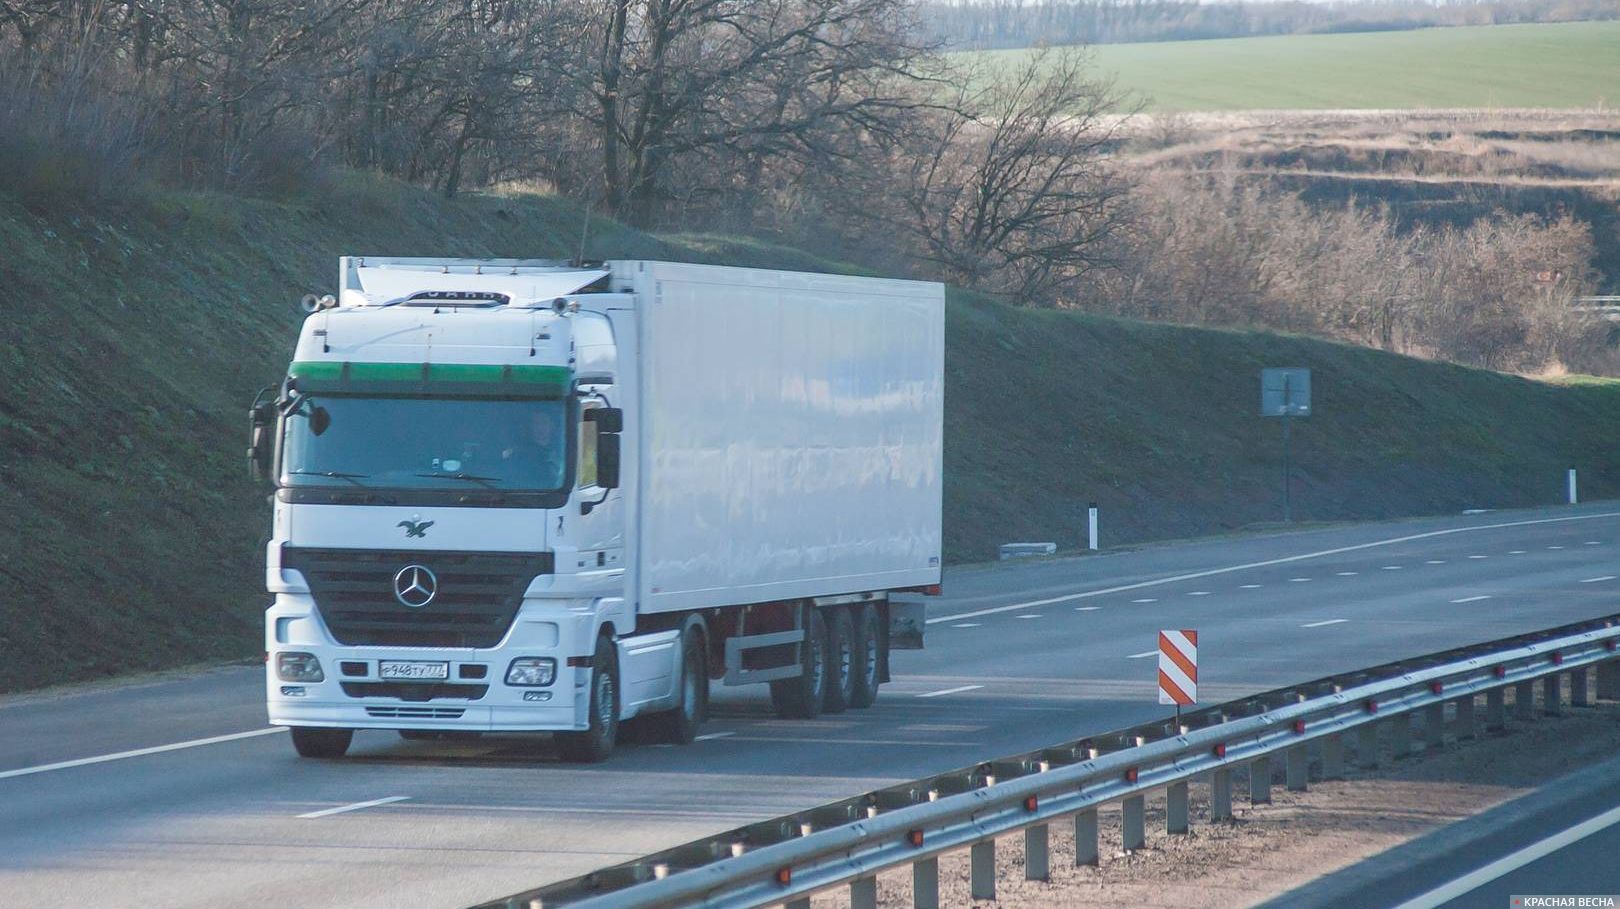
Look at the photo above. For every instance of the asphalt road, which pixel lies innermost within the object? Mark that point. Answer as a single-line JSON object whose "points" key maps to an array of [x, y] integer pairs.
{"points": [[1018, 656], [1559, 841]]}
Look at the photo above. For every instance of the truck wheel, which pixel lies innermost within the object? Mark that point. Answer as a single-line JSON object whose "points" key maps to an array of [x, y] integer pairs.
{"points": [[317, 742], [868, 655], [595, 744], [801, 698], [680, 725], [841, 669]]}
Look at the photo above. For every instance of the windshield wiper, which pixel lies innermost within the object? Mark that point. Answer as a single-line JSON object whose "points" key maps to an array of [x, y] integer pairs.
{"points": [[486, 482], [334, 474]]}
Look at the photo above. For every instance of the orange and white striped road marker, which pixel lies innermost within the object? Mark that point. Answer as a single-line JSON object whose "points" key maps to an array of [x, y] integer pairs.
{"points": [[1178, 667]]}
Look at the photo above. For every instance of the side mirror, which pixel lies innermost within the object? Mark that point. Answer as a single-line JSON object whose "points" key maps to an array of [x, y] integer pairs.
{"points": [[320, 419], [607, 460], [607, 419], [261, 428]]}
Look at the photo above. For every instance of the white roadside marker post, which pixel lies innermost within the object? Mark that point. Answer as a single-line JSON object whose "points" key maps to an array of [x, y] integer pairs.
{"points": [[1091, 527], [1573, 498]]}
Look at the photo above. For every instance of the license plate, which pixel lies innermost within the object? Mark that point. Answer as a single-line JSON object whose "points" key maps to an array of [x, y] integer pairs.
{"points": [[398, 669]]}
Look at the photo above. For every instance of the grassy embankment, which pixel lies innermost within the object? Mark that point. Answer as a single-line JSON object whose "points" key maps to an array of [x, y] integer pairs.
{"points": [[1554, 65], [133, 340]]}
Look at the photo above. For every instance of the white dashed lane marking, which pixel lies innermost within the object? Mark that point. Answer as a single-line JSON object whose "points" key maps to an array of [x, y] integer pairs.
{"points": [[1198, 593], [1607, 577], [1031, 616], [357, 806], [1324, 622], [957, 690], [712, 736], [1251, 586], [1146, 600], [1435, 562], [1474, 599], [1087, 608], [1347, 574], [1298, 580], [1143, 655], [966, 625], [1392, 567]]}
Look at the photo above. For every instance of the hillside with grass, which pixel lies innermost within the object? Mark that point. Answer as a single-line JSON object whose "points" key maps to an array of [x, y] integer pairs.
{"points": [[135, 336], [1551, 65]]}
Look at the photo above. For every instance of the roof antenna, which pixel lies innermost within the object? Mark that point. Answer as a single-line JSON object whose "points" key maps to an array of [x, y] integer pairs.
{"points": [[584, 231]]}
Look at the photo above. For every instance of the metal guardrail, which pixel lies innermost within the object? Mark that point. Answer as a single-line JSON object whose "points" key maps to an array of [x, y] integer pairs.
{"points": [[784, 860]]}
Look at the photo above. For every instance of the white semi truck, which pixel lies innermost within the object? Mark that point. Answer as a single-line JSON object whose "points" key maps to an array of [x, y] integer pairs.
{"points": [[529, 496]]}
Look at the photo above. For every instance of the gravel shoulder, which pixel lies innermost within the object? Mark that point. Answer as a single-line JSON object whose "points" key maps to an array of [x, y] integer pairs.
{"points": [[1269, 850]]}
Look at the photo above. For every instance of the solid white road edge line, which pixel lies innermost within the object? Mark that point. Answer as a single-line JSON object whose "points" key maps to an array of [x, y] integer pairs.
{"points": [[1282, 561], [1445, 893], [957, 690], [328, 812], [1143, 655], [712, 736], [140, 752], [1607, 577]]}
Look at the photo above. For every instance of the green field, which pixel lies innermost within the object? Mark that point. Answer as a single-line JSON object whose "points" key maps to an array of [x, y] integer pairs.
{"points": [[1560, 65]]}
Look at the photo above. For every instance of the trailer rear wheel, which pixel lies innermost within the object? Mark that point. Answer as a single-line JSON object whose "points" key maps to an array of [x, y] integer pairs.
{"points": [[317, 742], [593, 745], [841, 660], [868, 655], [801, 697], [681, 725]]}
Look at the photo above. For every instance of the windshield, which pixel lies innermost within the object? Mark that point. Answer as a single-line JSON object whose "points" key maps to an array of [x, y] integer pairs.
{"points": [[422, 443]]}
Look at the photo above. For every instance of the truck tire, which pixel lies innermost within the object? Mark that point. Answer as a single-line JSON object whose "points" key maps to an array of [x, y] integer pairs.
{"points": [[680, 726], [801, 698], [868, 655], [841, 669], [593, 745], [318, 742]]}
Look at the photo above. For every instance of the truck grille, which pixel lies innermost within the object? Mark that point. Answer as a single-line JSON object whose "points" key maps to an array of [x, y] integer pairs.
{"points": [[476, 598]]}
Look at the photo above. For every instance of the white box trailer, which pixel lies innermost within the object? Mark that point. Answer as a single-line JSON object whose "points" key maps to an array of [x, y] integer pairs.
{"points": [[519, 495]]}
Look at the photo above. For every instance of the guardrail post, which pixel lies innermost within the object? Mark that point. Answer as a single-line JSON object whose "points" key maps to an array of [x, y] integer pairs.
{"points": [[1434, 726], [1085, 837], [1578, 696], [1367, 746], [1134, 822], [1496, 709], [1260, 781], [1524, 701], [1037, 857], [925, 883], [1465, 717], [1552, 694], [863, 893], [1608, 680], [1297, 765], [1400, 735], [1175, 808], [983, 870], [1220, 794], [1333, 757]]}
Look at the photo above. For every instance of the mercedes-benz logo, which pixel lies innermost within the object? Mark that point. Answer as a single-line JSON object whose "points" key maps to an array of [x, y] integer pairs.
{"points": [[415, 586]]}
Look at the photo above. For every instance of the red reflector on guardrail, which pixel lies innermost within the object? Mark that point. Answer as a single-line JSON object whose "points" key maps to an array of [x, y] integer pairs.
{"points": [[1609, 644], [1030, 803], [1437, 687], [1299, 726], [784, 875], [1130, 775], [1219, 749], [1500, 672], [914, 837], [1370, 705], [1557, 658]]}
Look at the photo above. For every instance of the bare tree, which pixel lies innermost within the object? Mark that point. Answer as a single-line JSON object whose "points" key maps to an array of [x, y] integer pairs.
{"points": [[1012, 191], [672, 83]]}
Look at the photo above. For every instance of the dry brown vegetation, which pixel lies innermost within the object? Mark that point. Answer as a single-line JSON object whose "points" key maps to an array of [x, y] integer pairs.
{"points": [[833, 125]]}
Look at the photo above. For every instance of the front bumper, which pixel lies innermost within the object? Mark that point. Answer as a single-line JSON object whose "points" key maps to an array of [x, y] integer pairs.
{"points": [[352, 696]]}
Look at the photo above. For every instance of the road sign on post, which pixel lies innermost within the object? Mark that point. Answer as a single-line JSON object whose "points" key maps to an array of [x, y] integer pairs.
{"points": [[1178, 668], [1286, 392]]}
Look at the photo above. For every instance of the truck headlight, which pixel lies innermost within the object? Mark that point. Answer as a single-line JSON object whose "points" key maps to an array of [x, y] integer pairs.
{"points": [[299, 667], [532, 671]]}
